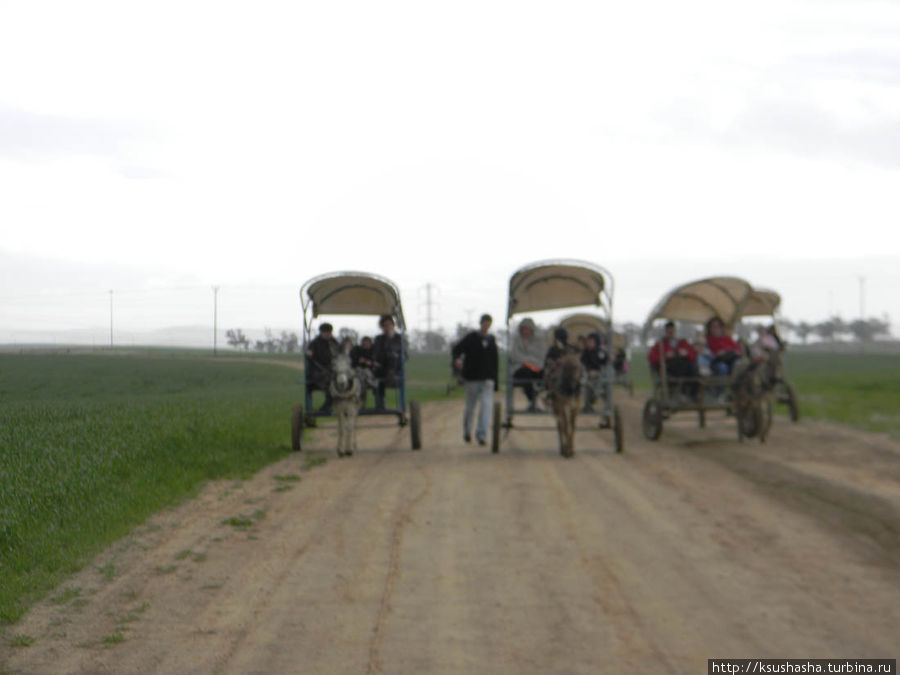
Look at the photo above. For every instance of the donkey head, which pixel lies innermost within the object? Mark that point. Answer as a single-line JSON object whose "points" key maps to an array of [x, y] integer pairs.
{"points": [[342, 375]]}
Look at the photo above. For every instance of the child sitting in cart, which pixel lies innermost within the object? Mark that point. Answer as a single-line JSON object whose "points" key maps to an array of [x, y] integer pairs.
{"points": [[363, 356]]}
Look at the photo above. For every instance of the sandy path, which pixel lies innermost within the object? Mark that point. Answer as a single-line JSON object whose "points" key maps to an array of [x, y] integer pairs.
{"points": [[453, 560]]}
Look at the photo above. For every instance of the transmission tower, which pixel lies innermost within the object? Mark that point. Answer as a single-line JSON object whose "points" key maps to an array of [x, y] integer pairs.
{"points": [[429, 305]]}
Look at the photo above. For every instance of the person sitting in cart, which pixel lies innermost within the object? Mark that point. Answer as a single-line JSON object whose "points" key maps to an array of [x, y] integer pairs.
{"points": [[387, 357], [525, 356], [319, 354], [558, 349], [594, 358], [721, 350], [363, 354], [680, 358]]}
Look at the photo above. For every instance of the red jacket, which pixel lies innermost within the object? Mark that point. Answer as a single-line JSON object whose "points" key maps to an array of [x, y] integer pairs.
{"points": [[670, 351], [723, 343]]}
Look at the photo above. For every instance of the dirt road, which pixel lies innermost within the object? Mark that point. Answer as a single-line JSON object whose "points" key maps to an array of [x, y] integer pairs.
{"points": [[453, 560]]}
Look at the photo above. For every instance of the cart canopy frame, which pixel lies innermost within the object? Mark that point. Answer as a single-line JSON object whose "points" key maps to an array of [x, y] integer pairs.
{"points": [[559, 284]]}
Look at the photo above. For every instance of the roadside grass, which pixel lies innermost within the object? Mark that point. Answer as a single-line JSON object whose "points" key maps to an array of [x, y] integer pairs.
{"points": [[92, 445], [861, 390]]}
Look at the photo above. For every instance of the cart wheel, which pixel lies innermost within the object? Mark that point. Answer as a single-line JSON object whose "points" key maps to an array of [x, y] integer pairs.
{"points": [[310, 421], [296, 426], [495, 427], [793, 404], [652, 420], [750, 421], [618, 430], [415, 424]]}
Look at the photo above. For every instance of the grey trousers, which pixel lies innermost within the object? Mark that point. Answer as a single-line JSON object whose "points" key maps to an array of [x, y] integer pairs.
{"points": [[479, 392]]}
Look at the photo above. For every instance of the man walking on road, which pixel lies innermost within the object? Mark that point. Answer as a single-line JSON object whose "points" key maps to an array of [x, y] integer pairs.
{"points": [[476, 355]]}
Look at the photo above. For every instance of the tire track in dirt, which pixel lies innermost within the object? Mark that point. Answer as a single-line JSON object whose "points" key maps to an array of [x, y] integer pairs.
{"points": [[323, 525], [374, 665]]}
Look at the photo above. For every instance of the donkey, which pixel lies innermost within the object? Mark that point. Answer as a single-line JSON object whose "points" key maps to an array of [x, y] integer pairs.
{"points": [[347, 389], [564, 392]]}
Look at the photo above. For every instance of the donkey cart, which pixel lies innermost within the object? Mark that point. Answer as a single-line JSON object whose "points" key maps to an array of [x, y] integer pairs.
{"points": [[742, 388], [361, 294], [555, 285]]}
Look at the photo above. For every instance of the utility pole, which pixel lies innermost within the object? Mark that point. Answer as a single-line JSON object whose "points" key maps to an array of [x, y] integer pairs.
{"points": [[215, 320], [110, 319]]}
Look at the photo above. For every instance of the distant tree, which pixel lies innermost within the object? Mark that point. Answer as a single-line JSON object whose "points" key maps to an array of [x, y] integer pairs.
{"points": [[288, 342], [803, 330], [269, 345], [461, 331], [830, 329], [237, 339], [868, 329], [433, 341]]}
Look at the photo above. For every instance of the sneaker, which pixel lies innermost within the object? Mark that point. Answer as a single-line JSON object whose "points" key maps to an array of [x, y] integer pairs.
{"points": [[467, 438], [481, 441]]}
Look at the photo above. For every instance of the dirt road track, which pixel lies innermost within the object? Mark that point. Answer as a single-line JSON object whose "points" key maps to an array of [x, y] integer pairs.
{"points": [[453, 560]]}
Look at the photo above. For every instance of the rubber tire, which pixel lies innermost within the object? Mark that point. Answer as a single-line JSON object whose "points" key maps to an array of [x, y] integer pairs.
{"points": [[296, 427], [415, 425], [495, 427], [651, 420], [618, 430]]}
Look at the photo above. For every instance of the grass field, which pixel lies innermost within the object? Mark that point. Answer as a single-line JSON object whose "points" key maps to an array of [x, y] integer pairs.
{"points": [[92, 445]]}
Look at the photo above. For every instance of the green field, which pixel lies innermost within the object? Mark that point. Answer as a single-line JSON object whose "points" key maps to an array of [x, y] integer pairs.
{"points": [[92, 445]]}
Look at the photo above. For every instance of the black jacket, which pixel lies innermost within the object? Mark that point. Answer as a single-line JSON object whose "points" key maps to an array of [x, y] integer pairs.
{"points": [[360, 353], [323, 352], [480, 358], [594, 359], [388, 352]]}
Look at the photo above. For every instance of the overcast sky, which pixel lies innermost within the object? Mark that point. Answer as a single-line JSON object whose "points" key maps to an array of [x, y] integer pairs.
{"points": [[155, 145]]}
